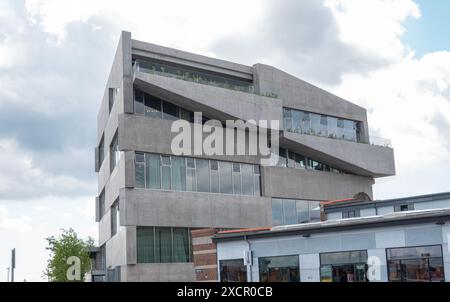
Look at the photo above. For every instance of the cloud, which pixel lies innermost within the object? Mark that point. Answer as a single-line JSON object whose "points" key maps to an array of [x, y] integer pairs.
{"points": [[49, 96], [21, 224], [304, 38]]}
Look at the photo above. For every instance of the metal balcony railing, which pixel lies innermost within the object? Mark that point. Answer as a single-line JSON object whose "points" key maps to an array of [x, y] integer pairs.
{"points": [[380, 141], [194, 76]]}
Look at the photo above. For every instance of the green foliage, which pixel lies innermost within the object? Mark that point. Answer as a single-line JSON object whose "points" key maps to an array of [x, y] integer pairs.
{"points": [[66, 245]]}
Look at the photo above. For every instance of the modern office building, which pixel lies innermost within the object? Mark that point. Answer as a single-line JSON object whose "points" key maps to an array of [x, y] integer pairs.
{"points": [[397, 240], [150, 199]]}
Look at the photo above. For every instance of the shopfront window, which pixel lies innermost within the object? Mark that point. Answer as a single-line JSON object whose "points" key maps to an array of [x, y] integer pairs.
{"points": [[348, 266], [416, 264], [233, 271], [279, 269]]}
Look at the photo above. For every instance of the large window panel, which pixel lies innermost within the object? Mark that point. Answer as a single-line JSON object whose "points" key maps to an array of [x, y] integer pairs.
{"points": [[232, 270], [152, 106], [277, 212], [163, 241], [302, 207], [180, 245], [170, 111], [153, 171], [166, 169], [139, 107], [140, 170], [257, 180], [191, 179], [226, 182], [279, 269], [237, 179], [215, 182], [202, 175], [178, 174], [290, 212], [145, 245], [247, 179]]}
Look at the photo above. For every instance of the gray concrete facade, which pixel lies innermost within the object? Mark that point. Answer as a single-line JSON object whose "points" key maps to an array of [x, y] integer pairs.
{"points": [[273, 90]]}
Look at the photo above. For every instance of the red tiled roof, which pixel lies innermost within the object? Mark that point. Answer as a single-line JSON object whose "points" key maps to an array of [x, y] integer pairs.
{"points": [[245, 230], [336, 201]]}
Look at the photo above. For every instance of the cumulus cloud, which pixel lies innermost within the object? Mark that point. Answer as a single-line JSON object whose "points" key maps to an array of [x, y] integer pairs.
{"points": [[306, 39]]}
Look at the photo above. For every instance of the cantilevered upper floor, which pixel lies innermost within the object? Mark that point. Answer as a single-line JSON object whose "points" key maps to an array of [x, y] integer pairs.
{"points": [[319, 131]]}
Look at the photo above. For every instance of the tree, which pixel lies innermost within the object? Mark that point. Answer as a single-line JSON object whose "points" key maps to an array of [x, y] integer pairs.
{"points": [[63, 251]]}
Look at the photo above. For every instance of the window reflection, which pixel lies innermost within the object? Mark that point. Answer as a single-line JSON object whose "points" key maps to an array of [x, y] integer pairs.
{"points": [[155, 171], [291, 211], [303, 122]]}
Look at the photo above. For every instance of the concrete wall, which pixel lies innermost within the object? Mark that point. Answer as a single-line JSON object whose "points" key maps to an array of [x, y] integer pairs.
{"points": [[299, 94], [159, 272], [361, 159], [374, 240], [145, 207], [313, 185], [213, 101]]}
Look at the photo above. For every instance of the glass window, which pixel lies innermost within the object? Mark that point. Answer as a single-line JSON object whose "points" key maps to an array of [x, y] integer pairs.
{"points": [[114, 153], [279, 269], [145, 245], [111, 97], [237, 179], [277, 212], [181, 246], [101, 203], [226, 182], [300, 161], [191, 180], [315, 124], [289, 211], [140, 170], [163, 244], [291, 159], [343, 257], [247, 179], [257, 180], [115, 216], [323, 130], [302, 207], [287, 119], [282, 161], [332, 127], [349, 130], [152, 106], [202, 175], [139, 107], [416, 264], [297, 118], [186, 115], [153, 171], [166, 178], [233, 270], [215, 176], [170, 111], [314, 211], [178, 173], [101, 151], [306, 123]]}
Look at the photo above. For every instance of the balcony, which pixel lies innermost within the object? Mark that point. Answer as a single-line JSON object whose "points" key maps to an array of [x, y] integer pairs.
{"points": [[196, 77]]}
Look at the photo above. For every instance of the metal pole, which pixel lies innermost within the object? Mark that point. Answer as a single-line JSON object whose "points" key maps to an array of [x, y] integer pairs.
{"points": [[13, 263], [7, 276]]}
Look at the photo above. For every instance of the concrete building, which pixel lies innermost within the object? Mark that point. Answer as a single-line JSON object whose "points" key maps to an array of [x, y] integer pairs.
{"points": [[149, 199], [397, 244]]}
